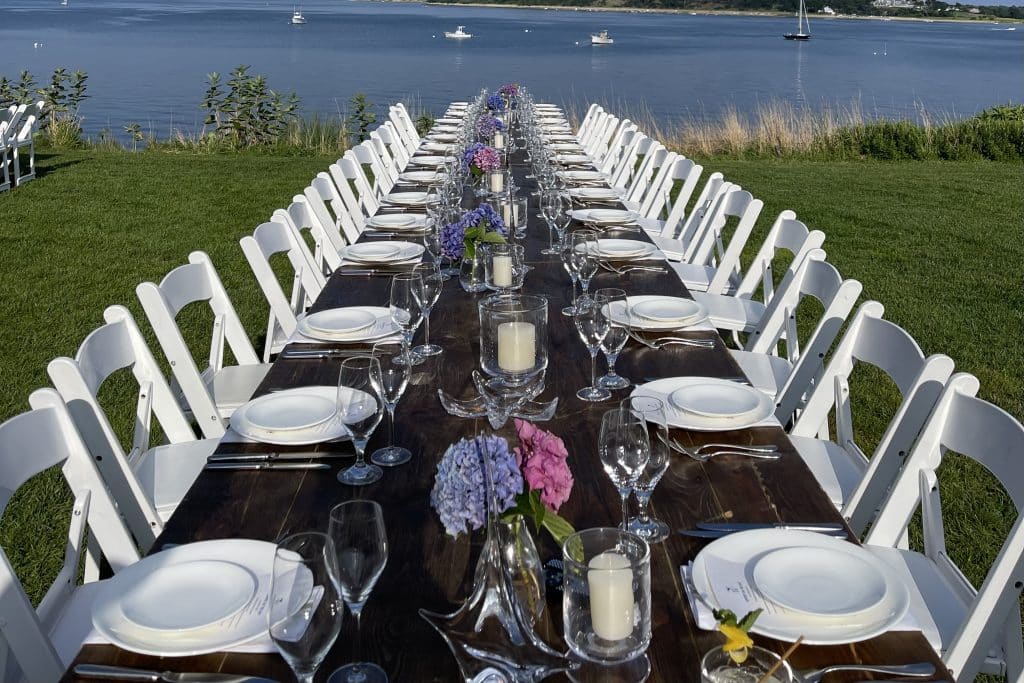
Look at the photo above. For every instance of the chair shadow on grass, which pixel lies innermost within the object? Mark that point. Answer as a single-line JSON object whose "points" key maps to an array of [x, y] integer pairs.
{"points": [[44, 169]]}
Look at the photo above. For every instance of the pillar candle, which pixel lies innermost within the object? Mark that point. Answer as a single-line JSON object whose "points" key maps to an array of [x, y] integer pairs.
{"points": [[517, 344], [499, 141], [506, 214], [497, 182], [501, 271], [611, 595]]}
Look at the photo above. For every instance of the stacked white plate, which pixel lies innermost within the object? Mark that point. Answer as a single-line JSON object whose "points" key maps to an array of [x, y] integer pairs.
{"points": [[410, 198], [571, 147], [595, 193], [657, 312], [189, 600], [619, 249], [346, 324], [572, 159], [708, 404], [436, 147], [605, 216], [448, 121], [826, 589], [295, 417], [583, 176], [396, 222], [378, 253], [429, 160], [443, 137]]}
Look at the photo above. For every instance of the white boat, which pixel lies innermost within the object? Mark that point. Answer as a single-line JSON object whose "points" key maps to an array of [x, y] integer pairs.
{"points": [[458, 34], [601, 38], [803, 26], [297, 17]]}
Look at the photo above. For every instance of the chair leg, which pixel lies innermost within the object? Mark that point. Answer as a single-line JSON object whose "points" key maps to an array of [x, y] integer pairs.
{"points": [[18, 177], [5, 162]]}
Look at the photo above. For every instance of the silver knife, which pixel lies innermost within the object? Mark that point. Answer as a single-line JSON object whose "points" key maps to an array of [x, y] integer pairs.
{"points": [[123, 673], [266, 465], [730, 527], [276, 457], [306, 354]]}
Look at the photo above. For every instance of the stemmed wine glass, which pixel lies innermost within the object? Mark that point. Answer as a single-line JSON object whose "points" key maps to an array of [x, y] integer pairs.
{"points": [[306, 611], [592, 323], [432, 280], [391, 380], [361, 544], [563, 218], [550, 206], [585, 254], [362, 408], [652, 410], [569, 263], [406, 310], [432, 247], [617, 335], [624, 447]]}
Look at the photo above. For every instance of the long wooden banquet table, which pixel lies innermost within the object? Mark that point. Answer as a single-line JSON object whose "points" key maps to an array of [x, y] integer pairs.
{"points": [[428, 569]]}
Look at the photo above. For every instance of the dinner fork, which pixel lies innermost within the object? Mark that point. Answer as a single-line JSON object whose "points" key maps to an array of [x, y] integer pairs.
{"points": [[916, 670], [701, 456], [622, 270], [665, 341]]}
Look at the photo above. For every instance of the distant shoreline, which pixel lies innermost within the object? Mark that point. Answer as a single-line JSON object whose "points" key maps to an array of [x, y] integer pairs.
{"points": [[729, 13]]}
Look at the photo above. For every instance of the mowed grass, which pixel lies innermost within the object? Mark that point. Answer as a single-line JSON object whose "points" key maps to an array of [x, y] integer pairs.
{"points": [[939, 243]]}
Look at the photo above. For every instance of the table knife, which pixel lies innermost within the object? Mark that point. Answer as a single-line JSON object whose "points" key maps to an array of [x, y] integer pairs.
{"points": [[797, 526], [267, 465], [275, 457], [123, 673]]}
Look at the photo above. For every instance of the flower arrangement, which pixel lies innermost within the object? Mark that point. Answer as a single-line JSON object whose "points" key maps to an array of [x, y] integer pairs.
{"points": [[487, 125], [509, 89], [736, 632], [531, 481], [480, 158], [496, 102], [482, 224]]}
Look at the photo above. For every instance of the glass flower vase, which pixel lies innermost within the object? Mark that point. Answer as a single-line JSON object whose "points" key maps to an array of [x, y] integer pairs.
{"points": [[524, 565], [472, 276]]}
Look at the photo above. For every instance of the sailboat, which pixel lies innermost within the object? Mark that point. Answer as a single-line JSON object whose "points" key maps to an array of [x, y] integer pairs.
{"points": [[803, 26], [297, 17]]}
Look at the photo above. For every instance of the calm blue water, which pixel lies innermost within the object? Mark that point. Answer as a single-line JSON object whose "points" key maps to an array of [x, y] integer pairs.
{"points": [[147, 61]]}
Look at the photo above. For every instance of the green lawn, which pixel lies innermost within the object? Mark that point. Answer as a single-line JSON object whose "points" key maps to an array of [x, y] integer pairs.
{"points": [[940, 244]]}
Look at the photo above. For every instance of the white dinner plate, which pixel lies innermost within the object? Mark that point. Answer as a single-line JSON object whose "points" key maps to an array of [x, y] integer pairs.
{"points": [[720, 399], [374, 252], [820, 581], [316, 326], [241, 625], [583, 176], [683, 419], [284, 412], [429, 160], [442, 147], [331, 430], [598, 193], [443, 137], [449, 121], [421, 177], [570, 159], [668, 309], [740, 552], [621, 314], [341, 320], [605, 216], [397, 221], [623, 249], [410, 198], [565, 147]]}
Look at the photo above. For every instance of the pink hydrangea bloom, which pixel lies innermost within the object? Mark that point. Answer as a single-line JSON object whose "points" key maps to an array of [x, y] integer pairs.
{"points": [[487, 159], [542, 457]]}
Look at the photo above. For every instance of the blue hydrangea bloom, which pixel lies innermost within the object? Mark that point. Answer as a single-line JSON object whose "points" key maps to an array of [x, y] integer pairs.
{"points": [[458, 495], [496, 102], [453, 235]]}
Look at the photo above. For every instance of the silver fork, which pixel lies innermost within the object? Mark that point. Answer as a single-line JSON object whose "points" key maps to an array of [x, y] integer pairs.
{"points": [[622, 270], [665, 341], [699, 456], [918, 669]]}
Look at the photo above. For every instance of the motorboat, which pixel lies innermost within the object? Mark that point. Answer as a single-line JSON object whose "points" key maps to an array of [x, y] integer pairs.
{"points": [[297, 17], [458, 34], [601, 38]]}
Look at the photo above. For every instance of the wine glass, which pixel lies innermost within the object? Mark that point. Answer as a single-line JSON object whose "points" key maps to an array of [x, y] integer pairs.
{"points": [[361, 544], [432, 247], [306, 611], [624, 448], [432, 280], [569, 263], [406, 310], [652, 410], [617, 336], [585, 253], [550, 205], [391, 379], [592, 323], [362, 408], [564, 216]]}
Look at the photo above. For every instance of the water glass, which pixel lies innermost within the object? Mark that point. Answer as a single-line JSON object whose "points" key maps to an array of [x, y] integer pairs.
{"points": [[432, 281], [613, 298], [652, 410], [606, 595], [585, 253], [306, 610], [361, 544], [717, 666], [406, 310], [624, 448], [391, 380], [360, 404], [592, 323], [520, 216]]}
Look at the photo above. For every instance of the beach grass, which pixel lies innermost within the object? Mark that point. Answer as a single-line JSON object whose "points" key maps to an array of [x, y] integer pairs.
{"points": [[937, 242]]}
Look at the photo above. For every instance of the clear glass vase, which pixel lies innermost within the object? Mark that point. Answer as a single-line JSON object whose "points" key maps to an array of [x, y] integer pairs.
{"points": [[524, 565], [471, 273]]}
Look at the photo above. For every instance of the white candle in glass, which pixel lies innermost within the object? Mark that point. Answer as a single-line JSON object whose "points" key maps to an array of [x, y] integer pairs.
{"points": [[517, 344], [501, 271], [610, 580], [506, 214], [499, 141], [497, 182]]}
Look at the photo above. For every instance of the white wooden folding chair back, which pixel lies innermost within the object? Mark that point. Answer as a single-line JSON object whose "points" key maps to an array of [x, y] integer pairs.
{"points": [[38, 644], [344, 180], [387, 163], [24, 138], [628, 176], [674, 239], [649, 179], [855, 482], [592, 111], [787, 235], [366, 155], [327, 204], [7, 136], [625, 156], [595, 126], [975, 630], [210, 389], [353, 169], [147, 481], [269, 239], [324, 254], [603, 129], [399, 116], [606, 157], [685, 174], [600, 142], [389, 136]]}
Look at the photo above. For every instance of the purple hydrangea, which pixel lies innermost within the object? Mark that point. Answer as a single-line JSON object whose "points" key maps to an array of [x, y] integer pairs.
{"points": [[458, 495], [487, 125], [453, 235], [496, 102], [470, 154], [509, 89]]}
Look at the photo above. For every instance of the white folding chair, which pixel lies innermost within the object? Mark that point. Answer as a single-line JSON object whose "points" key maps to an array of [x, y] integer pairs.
{"points": [[352, 169], [853, 482], [267, 240], [974, 630], [382, 182], [212, 393], [633, 178], [38, 644], [390, 137], [148, 481], [299, 218], [24, 137], [7, 135], [324, 201], [650, 180], [672, 238], [399, 115]]}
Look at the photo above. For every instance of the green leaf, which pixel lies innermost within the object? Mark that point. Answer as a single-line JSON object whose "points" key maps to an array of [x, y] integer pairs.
{"points": [[747, 622], [492, 238], [558, 527], [725, 616]]}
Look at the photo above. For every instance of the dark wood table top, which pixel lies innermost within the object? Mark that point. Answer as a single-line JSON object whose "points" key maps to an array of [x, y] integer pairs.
{"points": [[428, 569]]}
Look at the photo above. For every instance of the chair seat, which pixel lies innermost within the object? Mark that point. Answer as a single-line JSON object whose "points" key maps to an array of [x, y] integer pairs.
{"points": [[765, 372], [235, 385], [670, 246], [167, 472], [837, 471], [74, 623], [730, 312]]}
